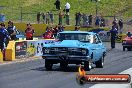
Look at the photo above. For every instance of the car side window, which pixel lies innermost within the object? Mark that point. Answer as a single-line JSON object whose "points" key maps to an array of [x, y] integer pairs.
{"points": [[99, 40], [95, 39]]}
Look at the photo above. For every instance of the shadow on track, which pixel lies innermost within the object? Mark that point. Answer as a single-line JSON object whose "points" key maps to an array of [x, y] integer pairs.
{"points": [[70, 68]]}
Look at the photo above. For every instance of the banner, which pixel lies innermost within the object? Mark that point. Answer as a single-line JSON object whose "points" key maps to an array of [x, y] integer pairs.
{"points": [[34, 48], [20, 48]]}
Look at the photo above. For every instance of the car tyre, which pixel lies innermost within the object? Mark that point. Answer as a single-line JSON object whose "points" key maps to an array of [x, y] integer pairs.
{"points": [[48, 65], [87, 65], [100, 63]]}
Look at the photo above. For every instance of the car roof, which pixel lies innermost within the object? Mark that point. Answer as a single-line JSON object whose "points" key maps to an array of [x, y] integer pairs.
{"points": [[78, 32]]}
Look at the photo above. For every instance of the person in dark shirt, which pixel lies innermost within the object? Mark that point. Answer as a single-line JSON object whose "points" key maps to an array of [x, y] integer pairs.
{"points": [[113, 33], [38, 17], [4, 36], [11, 30], [57, 3]]}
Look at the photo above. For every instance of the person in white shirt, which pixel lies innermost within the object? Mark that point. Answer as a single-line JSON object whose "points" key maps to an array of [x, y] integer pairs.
{"points": [[67, 7]]}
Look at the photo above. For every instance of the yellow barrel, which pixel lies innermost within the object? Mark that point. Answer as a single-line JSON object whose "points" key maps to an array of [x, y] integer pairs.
{"points": [[10, 51], [1, 56]]}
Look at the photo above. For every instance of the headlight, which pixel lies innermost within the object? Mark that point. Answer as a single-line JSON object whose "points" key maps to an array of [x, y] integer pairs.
{"points": [[46, 50], [84, 51]]}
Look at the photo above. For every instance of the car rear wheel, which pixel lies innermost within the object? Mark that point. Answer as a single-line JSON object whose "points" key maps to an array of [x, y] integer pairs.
{"points": [[48, 64], [100, 63], [88, 65]]}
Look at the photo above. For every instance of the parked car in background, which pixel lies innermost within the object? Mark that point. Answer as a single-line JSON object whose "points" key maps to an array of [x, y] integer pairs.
{"points": [[75, 47], [127, 42]]}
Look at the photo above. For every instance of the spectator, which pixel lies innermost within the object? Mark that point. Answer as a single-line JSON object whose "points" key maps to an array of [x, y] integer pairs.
{"points": [[102, 24], [97, 22], [113, 33], [47, 28], [76, 18], [67, 7], [115, 23], [67, 19], [11, 30], [90, 19], [47, 18], [29, 32], [57, 3], [120, 23], [3, 38], [60, 28], [51, 17], [38, 17], [48, 34], [84, 16], [77, 28], [55, 31], [61, 14], [43, 17]]}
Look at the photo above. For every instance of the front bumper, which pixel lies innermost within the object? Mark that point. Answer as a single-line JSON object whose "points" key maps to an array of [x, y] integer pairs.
{"points": [[66, 57]]}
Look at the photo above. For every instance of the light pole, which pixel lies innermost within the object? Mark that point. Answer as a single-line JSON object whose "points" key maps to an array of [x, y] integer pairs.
{"points": [[97, 7]]}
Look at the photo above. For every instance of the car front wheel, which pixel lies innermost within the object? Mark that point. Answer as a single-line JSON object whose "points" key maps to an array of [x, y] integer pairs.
{"points": [[100, 63], [87, 65], [48, 64]]}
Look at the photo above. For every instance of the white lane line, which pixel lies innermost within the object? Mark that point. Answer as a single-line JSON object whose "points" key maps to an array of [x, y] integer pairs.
{"points": [[128, 85]]}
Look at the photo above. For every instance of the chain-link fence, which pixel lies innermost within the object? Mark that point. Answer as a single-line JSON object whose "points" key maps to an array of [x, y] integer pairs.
{"points": [[19, 15]]}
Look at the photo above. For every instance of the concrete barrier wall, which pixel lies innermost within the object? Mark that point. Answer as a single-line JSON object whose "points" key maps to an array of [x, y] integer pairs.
{"points": [[40, 28], [25, 49]]}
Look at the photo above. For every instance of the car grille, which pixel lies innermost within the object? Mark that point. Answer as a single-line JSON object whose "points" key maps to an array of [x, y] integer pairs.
{"points": [[65, 51]]}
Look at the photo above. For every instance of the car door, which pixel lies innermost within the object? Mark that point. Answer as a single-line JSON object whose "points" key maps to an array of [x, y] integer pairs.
{"points": [[96, 48], [100, 47]]}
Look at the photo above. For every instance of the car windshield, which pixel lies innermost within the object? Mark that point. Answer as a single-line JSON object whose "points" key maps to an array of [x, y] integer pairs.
{"points": [[83, 37]]}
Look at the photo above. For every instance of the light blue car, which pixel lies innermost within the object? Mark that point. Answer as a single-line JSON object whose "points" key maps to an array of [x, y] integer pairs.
{"points": [[75, 47]]}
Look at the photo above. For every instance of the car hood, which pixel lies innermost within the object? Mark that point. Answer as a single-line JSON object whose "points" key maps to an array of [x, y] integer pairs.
{"points": [[69, 43]]}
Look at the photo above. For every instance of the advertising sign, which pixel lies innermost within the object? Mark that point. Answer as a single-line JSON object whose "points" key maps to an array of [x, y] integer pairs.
{"points": [[20, 48]]}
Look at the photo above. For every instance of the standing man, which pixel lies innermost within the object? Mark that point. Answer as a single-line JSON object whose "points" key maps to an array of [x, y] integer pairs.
{"points": [[38, 17], [51, 17], [3, 38], [11, 30], [57, 3], [61, 14], [90, 19], [113, 33], [43, 17], [67, 19], [29, 32], [67, 7], [47, 18]]}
